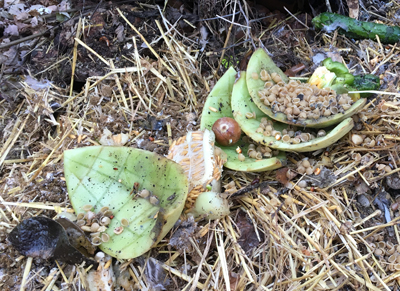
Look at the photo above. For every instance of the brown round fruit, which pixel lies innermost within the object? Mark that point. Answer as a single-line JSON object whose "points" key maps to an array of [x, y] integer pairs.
{"points": [[227, 131]]}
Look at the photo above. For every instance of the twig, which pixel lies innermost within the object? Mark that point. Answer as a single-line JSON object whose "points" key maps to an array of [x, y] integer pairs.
{"points": [[234, 45], [248, 25], [205, 252], [26, 273], [92, 51], [18, 41], [328, 5], [301, 22], [252, 187], [75, 55], [227, 37], [95, 9], [38, 205], [218, 17], [82, 13], [233, 23]]}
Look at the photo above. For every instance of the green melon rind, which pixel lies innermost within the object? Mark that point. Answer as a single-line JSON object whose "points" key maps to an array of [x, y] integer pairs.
{"points": [[259, 61], [249, 164], [220, 99], [242, 103], [104, 176]]}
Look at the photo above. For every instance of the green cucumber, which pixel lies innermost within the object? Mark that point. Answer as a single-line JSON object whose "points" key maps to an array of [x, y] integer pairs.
{"points": [[356, 29]]}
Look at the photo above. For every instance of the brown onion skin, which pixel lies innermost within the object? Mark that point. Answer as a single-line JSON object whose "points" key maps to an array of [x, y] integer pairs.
{"points": [[227, 131]]}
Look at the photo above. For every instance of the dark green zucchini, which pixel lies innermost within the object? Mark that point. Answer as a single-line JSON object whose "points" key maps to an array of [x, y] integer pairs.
{"points": [[356, 29]]}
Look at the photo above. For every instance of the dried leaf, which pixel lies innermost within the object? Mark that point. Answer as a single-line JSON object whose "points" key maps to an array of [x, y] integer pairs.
{"points": [[248, 237], [101, 278], [325, 178], [64, 5], [41, 9], [12, 29], [120, 33], [362, 187], [10, 56], [77, 237], [34, 21], [295, 70], [393, 181], [284, 175], [180, 239], [156, 276], [108, 139], [22, 16], [15, 8], [37, 85], [281, 176], [152, 123], [234, 279], [382, 201]]}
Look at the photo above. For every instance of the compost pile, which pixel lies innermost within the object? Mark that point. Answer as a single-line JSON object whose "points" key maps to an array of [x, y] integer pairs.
{"points": [[313, 194]]}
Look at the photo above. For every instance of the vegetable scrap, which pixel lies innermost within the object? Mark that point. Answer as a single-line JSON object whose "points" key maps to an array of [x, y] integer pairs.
{"points": [[201, 160], [275, 134], [101, 278], [227, 131], [221, 97], [344, 82], [356, 29], [100, 181], [211, 205], [315, 104], [303, 101], [45, 238]]}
